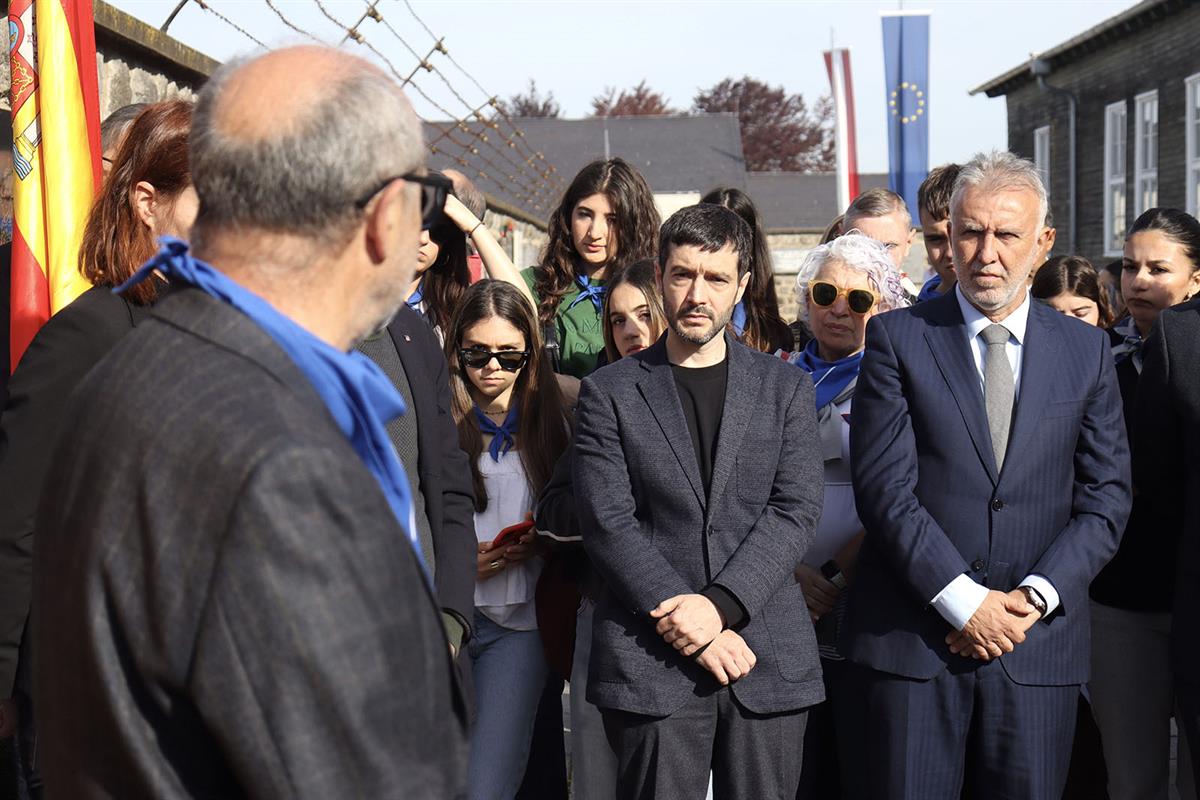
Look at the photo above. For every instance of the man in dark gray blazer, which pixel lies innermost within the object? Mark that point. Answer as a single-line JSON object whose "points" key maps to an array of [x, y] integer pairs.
{"points": [[699, 488], [991, 473], [228, 601]]}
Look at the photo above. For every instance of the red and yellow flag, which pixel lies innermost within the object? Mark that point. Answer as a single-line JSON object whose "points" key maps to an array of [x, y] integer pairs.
{"points": [[56, 156]]}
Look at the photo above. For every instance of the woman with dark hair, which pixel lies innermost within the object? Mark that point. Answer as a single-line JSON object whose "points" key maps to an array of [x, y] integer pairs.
{"points": [[1070, 284], [633, 311], [442, 275], [606, 217], [1131, 687], [513, 426], [756, 319], [147, 194], [633, 320]]}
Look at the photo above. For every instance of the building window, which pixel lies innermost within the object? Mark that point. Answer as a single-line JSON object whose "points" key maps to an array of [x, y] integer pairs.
{"points": [[1146, 152], [1192, 120], [1114, 178], [1041, 154]]}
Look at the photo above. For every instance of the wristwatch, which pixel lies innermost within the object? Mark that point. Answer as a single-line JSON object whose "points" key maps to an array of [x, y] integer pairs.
{"points": [[1035, 599]]}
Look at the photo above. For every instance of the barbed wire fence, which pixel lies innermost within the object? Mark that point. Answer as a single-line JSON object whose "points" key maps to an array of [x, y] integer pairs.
{"points": [[477, 134]]}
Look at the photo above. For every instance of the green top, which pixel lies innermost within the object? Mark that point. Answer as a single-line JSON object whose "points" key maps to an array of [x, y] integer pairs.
{"points": [[580, 334]]}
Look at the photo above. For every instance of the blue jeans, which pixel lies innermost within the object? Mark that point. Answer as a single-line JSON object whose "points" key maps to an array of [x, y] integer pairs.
{"points": [[509, 670]]}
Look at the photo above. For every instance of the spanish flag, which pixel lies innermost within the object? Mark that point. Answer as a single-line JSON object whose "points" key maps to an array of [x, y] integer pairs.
{"points": [[56, 156]]}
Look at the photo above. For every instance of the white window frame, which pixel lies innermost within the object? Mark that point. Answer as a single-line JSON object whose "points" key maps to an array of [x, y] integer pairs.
{"points": [[1041, 154], [1192, 154], [1143, 172], [1113, 112]]}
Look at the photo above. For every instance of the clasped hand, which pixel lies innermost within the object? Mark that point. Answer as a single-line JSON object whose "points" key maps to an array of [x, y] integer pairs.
{"points": [[687, 622], [996, 628]]}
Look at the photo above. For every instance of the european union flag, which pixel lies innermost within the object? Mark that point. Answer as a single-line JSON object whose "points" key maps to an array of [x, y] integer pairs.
{"points": [[906, 67]]}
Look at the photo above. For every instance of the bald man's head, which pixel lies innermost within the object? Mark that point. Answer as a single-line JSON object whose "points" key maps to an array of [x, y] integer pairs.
{"points": [[290, 141]]}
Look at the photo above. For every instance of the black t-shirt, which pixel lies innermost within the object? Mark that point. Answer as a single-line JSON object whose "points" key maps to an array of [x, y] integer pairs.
{"points": [[702, 395]]}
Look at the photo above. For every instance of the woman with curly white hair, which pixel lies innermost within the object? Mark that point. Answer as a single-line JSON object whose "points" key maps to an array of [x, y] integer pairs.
{"points": [[841, 285]]}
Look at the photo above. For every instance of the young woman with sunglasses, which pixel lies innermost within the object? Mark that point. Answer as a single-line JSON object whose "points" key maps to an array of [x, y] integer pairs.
{"points": [[607, 216], [513, 426], [841, 285]]}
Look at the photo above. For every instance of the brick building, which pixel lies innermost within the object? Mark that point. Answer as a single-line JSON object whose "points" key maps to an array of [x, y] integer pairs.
{"points": [[1136, 81]]}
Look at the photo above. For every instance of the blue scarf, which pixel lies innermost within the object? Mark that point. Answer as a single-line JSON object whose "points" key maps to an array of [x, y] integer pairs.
{"points": [[416, 298], [930, 289], [1131, 344], [357, 393], [588, 291], [502, 435], [829, 377], [739, 319]]}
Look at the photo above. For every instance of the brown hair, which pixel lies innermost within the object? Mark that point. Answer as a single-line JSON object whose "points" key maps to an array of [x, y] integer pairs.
{"points": [[637, 228], [1072, 275], [543, 421], [765, 329], [933, 196], [115, 242], [641, 276], [873, 203]]}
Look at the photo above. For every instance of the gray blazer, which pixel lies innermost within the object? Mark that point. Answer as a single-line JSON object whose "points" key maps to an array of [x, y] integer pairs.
{"points": [[652, 533], [223, 602]]}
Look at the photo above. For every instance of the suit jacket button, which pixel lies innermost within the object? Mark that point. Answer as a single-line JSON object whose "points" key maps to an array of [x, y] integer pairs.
{"points": [[977, 565], [997, 505]]}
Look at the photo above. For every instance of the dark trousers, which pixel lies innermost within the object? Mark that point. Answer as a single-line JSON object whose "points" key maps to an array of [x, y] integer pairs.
{"points": [[1187, 696], [669, 758], [820, 775], [969, 731]]}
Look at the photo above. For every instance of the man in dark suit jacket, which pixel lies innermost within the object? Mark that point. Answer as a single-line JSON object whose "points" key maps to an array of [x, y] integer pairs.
{"points": [[991, 473], [699, 489], [427, 440], [228, 597], [1166, 471]]}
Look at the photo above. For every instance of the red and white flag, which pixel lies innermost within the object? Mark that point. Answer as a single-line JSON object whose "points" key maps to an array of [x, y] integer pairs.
{"points": [[837, 63]]}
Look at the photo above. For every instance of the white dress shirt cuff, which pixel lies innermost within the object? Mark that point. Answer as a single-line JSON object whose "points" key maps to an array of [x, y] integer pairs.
{"points": [[1046, 589], [959, 601]]}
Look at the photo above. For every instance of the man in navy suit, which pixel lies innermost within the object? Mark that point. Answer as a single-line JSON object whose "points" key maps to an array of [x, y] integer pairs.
{"points": [[992, 475]]}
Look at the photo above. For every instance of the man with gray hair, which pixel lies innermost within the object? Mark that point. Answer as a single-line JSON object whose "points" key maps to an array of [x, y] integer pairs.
{"points": [[991, 473], [231, 598], [882, 215]]}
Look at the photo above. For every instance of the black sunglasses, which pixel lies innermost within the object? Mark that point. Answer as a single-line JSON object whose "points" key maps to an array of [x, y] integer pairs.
{"points": [[825, 294], [434, 189], [509, 360]]}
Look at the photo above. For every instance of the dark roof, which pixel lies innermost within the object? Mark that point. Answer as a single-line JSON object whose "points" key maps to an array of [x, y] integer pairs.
{"points": [[1128, 21], [801, 201], [675, 154]]}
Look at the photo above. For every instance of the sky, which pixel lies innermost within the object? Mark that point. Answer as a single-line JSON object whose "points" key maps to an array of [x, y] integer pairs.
{"points": [[575, 49]]}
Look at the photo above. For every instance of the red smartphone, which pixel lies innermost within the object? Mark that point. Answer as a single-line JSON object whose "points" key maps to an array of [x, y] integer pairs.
{"points": [[512, 534]]}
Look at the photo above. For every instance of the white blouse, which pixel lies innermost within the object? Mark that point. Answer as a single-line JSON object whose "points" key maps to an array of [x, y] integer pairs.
{"points": [[507, 597]]}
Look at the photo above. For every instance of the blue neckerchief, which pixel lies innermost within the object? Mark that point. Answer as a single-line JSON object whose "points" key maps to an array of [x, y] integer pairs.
{"points": [[502, 434], [829, 377], [1130, 346], [588, 291], [357, 393], [930, 289], [739, 319], [416, 298]]}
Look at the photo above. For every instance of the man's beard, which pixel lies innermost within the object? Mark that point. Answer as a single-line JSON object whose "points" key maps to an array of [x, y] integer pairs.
{"points": [[999, 297], [707, 336]]}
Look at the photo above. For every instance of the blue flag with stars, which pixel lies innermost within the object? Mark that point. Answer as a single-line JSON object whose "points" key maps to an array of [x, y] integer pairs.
{"points": [[906, 69]]}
